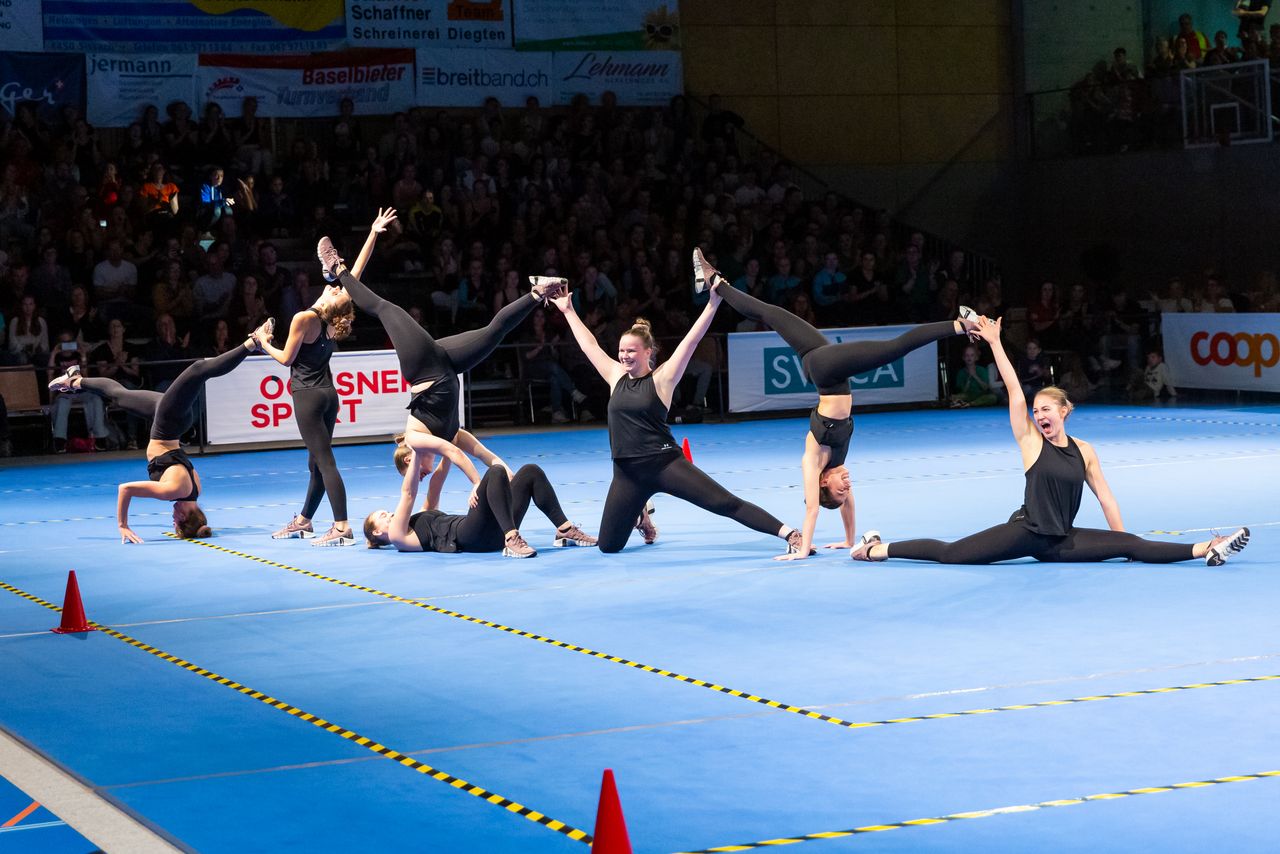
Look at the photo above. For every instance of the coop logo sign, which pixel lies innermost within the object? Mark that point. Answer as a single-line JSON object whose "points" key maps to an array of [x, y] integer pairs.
{"points": [[1243, 349]]}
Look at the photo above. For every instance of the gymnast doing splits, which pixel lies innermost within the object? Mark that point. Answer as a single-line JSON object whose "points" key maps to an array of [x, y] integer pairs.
{"points": [[172, 475], [432, 367], [492, 524], [314, 334], [1056, 467], [829, 367], [645, 457]]}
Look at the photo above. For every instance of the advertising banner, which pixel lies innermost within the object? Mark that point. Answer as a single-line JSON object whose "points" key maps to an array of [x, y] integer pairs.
{"points": [[638, 78], [429, 23], [765, 373], [253, 402], [308, 85], [45, 80], [193, 26], [464, 78], [20, 25], [598, 25], [119, 86], [1224, 351]]}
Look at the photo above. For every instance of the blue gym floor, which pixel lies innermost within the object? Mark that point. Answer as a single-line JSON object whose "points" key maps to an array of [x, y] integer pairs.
{"points": [[498, 672]]}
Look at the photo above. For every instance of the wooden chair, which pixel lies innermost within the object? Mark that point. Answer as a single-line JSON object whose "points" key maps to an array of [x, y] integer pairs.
{"points": [[21, 391]]}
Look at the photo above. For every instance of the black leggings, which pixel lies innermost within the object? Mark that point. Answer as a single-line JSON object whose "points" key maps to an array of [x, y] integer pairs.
{"points": [[829, 365], [316, 411], [501, 505], [421, 356], [636, 479], [1012, 540], [173, 412]]}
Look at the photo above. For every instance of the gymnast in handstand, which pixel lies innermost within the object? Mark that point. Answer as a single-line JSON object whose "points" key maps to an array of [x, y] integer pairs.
{"points": [[1056, 467]]}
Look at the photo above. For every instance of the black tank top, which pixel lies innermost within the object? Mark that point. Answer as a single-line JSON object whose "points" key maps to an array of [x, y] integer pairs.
{"points": [[638, 419], [310, 368], [437, 531], [177, 457], [835, 433], [1055, 483]]}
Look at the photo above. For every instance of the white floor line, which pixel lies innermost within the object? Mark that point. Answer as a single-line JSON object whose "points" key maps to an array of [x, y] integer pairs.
{"points": [[91, 815]]}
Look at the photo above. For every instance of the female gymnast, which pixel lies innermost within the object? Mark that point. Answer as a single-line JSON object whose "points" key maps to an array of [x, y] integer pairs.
{"points": [[172, 475], [431, 366], [314, 334], [492, 523], [1056, 467], [439, 472], [645, 457], [829, 366]]}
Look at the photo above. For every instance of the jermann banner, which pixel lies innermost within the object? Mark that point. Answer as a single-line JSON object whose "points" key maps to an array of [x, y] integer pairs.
{"points": [[253, 403], [1225, 351], [309, 85], [766, 374]]}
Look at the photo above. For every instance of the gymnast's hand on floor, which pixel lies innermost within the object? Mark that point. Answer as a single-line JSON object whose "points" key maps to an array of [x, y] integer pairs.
{"points": [[840, 545], [128, 536], [792, 556]]}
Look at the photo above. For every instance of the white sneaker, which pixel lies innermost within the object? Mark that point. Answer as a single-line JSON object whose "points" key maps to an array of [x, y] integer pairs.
{"points": [[862, 549], [1222, 548], [968, 315], [703, 272], [63, 383]]}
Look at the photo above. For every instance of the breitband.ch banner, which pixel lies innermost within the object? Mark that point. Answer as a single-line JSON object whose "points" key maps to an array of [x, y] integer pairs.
{"points": [[766, 374]]}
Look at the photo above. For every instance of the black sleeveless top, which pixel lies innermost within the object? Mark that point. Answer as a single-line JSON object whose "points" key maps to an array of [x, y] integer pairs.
{"points": [[310, 368], [835, 433], [437, 531], [177, 457], [638, 419], [1055, 483]]}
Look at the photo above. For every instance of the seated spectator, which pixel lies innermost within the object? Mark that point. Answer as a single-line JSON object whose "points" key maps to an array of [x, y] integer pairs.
{"points": [[782, 283], [82, 318], [248, 306], [829, 286], [212, 292], [28, 335], [868, 296], [167, 354], [1220, 53], [539, 353], [113, 359], [802, 308], [1215, 297], [1033, 369], [1044, 315], [50, 282], [214, 204], [1155, 383], [1174, 300], [159, 199], [1192, 40], [971, 387], [1074, 379], [171, 294], [1123, 326], [68, 352], [277, 215]]}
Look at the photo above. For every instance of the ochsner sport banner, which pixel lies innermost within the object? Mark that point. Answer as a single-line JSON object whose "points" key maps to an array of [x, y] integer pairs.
{"points": [[435, 23], [765, 373], [119, 86], [464, 78], [1226, 351], [309, 85], [253, 403], [600, 24]]}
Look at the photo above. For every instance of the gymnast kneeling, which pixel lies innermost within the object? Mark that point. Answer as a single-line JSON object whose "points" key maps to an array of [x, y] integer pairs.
{"points": [[498, 506], [1056, 467]]}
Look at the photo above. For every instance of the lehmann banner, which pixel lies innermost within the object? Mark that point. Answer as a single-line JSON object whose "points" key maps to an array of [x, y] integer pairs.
{"points": [[765, 374]]}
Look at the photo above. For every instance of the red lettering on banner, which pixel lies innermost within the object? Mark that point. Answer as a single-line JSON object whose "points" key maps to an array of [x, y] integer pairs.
{"points": [[389, 381], [268, 384], [1242, 349], [351, 405], [342, 382], [260, 418], [366, 383], [280, 413]]}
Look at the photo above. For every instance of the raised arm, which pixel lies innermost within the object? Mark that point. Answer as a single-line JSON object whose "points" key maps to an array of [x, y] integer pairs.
{"points": [[398, 531], [384, 218], [609, 369], [435, 485], [667, 375], [299, 328], [1018, 418], [1093, 476]]}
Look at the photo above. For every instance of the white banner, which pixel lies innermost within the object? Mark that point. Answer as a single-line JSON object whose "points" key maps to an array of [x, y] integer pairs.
{"points": [[597, 25], [253, 403], [464, 78], [120, 86], [21, 26], [1227, 351], [309, 85], [638, 78], [766, 374], [437, 23]]}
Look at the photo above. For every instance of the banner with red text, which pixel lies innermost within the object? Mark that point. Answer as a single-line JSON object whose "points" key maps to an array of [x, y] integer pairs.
{"points": [[429, 23], [253, 403], [1226, 351], [378, 82]]}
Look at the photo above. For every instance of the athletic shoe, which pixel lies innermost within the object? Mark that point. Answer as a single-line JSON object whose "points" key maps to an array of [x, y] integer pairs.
{"points": [[558, 417], [334, 537], [1222, 548], [330, 260], [548, 287], [574, 536], [969, 314], [265, 332], [63, 383], [862, 551], [294, 530], [794, 539], [703, 273], [517, 547], [645, 525]]}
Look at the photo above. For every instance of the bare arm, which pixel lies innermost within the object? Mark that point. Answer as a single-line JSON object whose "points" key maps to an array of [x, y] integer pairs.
{"points": [[384, 218], [419, 441], [1018, 419], [398, 532], [811, 465], [1093, 476], [301, 325], [166, 489], [608, 368], [436, 484], [668, 374]]}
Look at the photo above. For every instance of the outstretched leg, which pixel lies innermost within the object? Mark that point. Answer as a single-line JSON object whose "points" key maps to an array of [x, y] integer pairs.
{"points": [[835, 363], [802, 337], [421, 356], [468, 349], [174, 414], [134, 401], [686, 481], [1090, 545], [1003, 542]]}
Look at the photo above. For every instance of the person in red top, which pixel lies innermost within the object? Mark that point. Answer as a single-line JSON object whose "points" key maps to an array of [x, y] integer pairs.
{"points": [[1197, 44], [159, 199]]}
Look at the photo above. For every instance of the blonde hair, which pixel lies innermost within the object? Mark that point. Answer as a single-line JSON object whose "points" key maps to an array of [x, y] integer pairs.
{"points": [[401, 458], [339, 317], [370, 538], [1058, 396], [643, 330]]}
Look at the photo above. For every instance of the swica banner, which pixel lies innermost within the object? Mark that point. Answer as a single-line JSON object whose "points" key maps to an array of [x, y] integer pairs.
{"points": [[765, 373], [1224, 351], [253, 403]]}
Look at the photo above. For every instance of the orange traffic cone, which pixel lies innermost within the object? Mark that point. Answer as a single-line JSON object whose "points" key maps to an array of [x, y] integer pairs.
{"points": [[611, 828], [688, 455], [73, 619]]}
